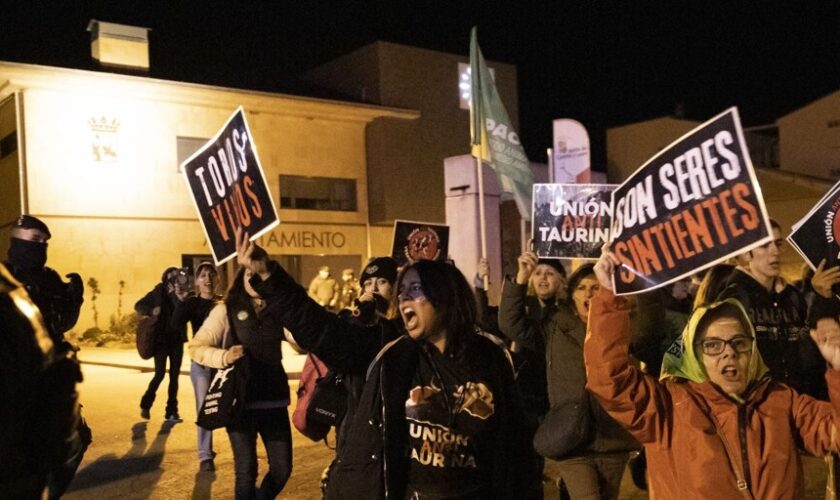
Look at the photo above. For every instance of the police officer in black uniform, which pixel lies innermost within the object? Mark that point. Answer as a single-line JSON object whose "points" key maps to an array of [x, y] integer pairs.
{"points": [[59, 303], [39, 413]]}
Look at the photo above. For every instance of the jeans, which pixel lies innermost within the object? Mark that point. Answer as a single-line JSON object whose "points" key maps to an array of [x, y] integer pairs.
{"points": [[273, 427], [594, 476], [175, 353], [201, 377]]}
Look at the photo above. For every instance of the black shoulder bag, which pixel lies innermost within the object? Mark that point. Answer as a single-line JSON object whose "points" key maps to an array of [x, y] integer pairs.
{"points": [[224, 402]]}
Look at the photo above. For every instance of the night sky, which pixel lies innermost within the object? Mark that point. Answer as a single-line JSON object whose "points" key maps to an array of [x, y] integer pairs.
{"points": [[603, 63]]}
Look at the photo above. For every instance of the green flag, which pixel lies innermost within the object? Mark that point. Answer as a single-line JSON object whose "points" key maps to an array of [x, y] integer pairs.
{"points": [[493, 139]]}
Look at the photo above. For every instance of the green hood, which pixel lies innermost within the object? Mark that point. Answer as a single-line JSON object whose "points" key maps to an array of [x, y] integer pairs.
{"points": [[681, 361]]}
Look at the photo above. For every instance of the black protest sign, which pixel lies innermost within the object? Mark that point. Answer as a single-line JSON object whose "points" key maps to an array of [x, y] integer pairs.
{"points": [[229, 188], [694, 204], [816, 236], [571, 221], [415, 241]]}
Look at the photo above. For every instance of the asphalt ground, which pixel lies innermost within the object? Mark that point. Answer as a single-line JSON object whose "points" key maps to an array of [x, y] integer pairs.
{"points": [[132, 458]]}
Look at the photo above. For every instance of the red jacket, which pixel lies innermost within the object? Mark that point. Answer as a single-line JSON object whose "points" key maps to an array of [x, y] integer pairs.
{"points": [[701, 443]]}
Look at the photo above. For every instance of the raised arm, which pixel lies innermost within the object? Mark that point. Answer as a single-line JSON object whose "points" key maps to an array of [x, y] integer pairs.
{"points": [[339, 344], [817, 421], [513, 319], [635, 400]]}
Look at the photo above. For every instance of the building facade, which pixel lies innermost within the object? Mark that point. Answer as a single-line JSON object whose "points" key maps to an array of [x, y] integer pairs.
{"points": [[96, 156], [400, 151]]}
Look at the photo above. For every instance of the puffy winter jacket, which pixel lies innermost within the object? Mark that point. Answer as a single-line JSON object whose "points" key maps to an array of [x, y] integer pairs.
{"points": [[700, 442]]}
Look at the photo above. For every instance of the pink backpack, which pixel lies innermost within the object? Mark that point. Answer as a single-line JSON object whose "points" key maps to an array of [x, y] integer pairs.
{"points": [[316, 379]]}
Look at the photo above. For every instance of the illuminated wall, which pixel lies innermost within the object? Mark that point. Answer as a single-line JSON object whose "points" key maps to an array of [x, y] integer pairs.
{"points": [[9, 169], [102, 171]]}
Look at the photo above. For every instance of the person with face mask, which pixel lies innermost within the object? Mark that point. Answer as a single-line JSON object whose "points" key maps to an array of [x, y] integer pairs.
{"points": [[349, 289], [714, 424], [324, 288], [59, 303], [194, 310], [438, 415]]}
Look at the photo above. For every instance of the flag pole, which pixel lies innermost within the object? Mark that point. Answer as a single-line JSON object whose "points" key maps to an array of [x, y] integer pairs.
{"points": [[481, 218]]}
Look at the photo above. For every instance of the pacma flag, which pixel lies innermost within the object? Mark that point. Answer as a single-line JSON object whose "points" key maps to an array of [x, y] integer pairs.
{"points": [[493, 139], [229, 188]]}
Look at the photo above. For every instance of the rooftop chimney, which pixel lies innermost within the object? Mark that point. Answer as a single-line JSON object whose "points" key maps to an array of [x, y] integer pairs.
{"points": [[119, 45]]}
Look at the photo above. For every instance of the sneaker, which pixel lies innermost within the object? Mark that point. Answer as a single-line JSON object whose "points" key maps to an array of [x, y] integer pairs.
{"points": [[173, 417], [144, 413], [207, 465]]}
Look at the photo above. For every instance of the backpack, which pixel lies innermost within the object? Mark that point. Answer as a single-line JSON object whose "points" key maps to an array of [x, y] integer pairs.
{"points": [[322, 399], [146, 336]]}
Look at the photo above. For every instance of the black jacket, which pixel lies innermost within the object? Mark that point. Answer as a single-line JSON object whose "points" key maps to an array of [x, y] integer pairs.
{"points": [[166, 333], [781, 332], [373, 461], [261, 335], [58, 301], [557, 333]]}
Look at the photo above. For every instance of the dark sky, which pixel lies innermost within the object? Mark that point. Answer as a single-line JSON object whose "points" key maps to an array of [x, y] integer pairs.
{"points": [[603, 63]]}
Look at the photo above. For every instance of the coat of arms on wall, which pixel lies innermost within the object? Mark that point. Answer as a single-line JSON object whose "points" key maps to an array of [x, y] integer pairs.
{"points": [[104, 138]]}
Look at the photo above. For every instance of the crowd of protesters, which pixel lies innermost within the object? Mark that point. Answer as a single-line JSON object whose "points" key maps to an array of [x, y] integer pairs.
{"points": [[715, 385]]}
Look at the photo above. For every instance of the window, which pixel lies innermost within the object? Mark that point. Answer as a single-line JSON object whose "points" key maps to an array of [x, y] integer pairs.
{"points": [[187, 146], [317, 193], [8, 144]]}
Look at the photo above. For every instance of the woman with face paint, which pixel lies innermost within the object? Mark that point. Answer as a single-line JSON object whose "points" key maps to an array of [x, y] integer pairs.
{"points": [[715, 424], [438, 415], [242, 326]]}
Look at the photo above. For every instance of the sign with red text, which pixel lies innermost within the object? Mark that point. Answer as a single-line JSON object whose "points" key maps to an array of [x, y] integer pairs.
{"points": [[694, 204], [817, 235], [571, 221], [229, 189], [415, 241]]}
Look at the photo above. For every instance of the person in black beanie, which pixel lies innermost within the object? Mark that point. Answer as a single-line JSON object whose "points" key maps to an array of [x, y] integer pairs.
{"points": [[59, 303]]}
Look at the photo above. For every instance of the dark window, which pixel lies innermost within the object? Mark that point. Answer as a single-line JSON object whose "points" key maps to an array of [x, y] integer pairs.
{"points": [[317, 193], [187, 146], [8, 144]]}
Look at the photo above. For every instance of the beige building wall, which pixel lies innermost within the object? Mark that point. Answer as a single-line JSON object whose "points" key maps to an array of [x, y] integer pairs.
{"points": [[809, 139], [9, 170], [405, 158], [102, 172], [630, 146]]}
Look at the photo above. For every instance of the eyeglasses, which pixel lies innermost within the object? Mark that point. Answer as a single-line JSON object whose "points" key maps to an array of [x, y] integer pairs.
{"points": [[714, 347], [413, 291]]}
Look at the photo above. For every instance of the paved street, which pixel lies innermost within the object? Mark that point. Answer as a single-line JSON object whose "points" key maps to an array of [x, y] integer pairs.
{"points": [[133, 459]]}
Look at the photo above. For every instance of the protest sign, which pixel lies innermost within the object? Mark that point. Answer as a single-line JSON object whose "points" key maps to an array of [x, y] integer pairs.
{"points": [[816, 235], [229, 189], [571, 221], [694, 204], [415, 241]]}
